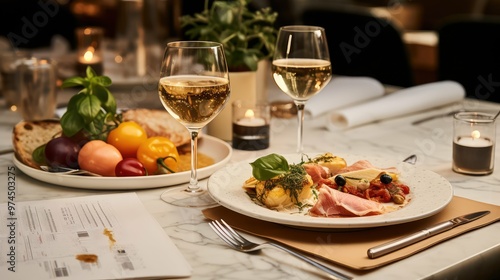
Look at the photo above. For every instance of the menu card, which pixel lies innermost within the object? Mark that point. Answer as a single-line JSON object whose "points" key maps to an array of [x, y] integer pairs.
{"points": [[92, 237]]}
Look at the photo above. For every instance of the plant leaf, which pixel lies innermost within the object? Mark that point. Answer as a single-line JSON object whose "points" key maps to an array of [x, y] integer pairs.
{"points": [[104, 81], [38, 155], [234, 25], [90, 72], [71, 123], [74, 81], [267, 167], [88, 107], [107, 100]]}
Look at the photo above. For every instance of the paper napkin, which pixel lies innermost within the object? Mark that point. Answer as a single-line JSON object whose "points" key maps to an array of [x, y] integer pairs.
{"points": [[402, 102], [342, 92]]}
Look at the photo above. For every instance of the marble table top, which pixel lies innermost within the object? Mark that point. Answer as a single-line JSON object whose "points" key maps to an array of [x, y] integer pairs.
{"points": [[473, 254]]}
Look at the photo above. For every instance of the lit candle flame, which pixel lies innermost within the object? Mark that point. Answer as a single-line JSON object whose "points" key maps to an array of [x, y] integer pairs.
{"points": [[249, 114], [475, 134], [88, 55]]}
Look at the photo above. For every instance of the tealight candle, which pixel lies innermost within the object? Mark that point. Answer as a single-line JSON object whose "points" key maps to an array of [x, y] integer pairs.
{"points": [[473, 144], [250, 119], [250, 126], [89, 50]]}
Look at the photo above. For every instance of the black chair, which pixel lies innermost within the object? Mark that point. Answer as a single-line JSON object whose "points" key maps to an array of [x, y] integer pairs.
{"points": [[362, 44], [469, 53]]}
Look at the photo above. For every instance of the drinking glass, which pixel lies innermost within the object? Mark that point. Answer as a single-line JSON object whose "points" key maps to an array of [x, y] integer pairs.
{"points": [[301, 66], [193, 88]]}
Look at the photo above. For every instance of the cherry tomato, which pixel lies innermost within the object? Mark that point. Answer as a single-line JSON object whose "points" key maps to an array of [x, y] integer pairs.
{"points": [[99, 157], [127, 138], [159, 155], [61, 152], [130, 167]]}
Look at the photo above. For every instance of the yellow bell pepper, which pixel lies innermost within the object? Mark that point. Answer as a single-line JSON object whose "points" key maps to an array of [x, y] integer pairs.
{"points": [[158, 155]]}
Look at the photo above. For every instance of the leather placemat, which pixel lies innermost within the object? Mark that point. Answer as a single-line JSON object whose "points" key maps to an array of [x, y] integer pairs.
{"points": [[348, 248]]}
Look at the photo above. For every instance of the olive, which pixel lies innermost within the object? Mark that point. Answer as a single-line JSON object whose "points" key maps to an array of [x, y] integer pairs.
{"points": [[340, 180], [385, 178]]}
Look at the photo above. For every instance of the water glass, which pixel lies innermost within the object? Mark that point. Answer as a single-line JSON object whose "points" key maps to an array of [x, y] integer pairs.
{"points": [[37, 88], [8, 64]]}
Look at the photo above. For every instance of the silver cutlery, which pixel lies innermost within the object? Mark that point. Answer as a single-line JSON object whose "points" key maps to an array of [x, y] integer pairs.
{"points": [[405, 241], [68, 171], [238, 242], [417, 122], [7, 151]]}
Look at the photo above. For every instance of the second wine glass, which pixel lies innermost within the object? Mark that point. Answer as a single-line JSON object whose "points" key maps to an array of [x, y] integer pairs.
{"points": [[301, 66], [193, 88]]}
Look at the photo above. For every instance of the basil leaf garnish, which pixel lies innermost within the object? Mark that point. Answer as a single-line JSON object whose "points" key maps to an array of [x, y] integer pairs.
{"points": [[267, 167]]}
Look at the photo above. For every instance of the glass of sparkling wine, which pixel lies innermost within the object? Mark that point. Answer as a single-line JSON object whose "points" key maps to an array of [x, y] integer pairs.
{"points": [[193, 88], [301, 66]]}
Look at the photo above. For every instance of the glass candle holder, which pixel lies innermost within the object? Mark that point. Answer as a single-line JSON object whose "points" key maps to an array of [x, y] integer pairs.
{"points": [[474, 135], [89, 49], [251, 126]]}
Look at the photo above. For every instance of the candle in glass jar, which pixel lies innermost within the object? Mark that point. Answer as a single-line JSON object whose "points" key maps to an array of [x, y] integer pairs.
{"points": [[250, 132], [89, 50], [474, 143]]}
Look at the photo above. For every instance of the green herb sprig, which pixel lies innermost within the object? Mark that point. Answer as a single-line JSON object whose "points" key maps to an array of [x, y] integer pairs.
{"points": [[92, 110], [291, 176]]}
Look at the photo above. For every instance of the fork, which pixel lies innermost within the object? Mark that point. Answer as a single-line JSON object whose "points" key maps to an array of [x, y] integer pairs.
{"points": [[68, 171], [239, 243]]}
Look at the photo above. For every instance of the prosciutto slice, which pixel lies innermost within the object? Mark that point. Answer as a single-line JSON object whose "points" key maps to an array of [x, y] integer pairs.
{"points": [[316, 171], [332, 202]]}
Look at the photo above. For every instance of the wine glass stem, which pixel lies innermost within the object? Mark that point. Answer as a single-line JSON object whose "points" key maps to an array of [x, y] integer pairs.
{"points": [[193, 182], [300, 131]]}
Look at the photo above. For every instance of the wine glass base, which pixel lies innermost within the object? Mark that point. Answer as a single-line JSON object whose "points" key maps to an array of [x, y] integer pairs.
{"points": [[180, 196]]}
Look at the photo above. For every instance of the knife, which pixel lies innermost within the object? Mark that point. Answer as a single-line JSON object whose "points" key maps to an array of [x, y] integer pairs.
{"points": [[435, 117], [402, 242], [8, 151]]}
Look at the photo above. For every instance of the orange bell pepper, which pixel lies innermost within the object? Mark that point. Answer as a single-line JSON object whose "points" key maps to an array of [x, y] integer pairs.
{"points": [[158, 155]]}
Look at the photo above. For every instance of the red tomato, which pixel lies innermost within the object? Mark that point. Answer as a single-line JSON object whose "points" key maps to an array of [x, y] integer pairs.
{"points": [[99, 157], [130, 167]]}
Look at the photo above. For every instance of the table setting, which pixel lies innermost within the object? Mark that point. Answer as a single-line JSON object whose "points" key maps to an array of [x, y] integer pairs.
{"points": [[353, 118], [430, 141]]}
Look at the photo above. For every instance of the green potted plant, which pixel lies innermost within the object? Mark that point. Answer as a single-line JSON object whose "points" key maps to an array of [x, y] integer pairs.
{"points": [[247, 36], [249, 39]]}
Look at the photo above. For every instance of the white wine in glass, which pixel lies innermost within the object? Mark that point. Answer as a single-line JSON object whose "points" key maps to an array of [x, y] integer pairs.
{"points": [[193, 88], [301, 66]]}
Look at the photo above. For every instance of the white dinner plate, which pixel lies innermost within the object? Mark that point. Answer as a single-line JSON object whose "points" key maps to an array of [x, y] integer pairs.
{"points": [[213, 147], [430, 193]]}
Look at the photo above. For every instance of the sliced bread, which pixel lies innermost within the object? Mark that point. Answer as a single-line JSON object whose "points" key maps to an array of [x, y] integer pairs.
{"points": [[29, 135], [159, 123]]}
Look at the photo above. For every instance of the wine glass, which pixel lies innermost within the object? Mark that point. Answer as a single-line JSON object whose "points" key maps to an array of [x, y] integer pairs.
{"points": [[193, 88], [301, 66]]}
